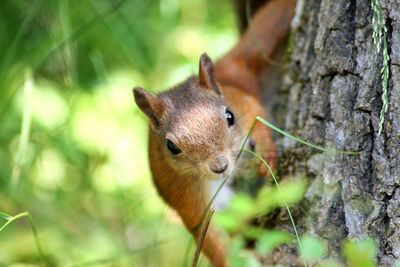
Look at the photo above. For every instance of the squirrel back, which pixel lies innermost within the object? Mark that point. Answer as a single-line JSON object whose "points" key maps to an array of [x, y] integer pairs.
{"points": [[261, 44], [198, 127]]}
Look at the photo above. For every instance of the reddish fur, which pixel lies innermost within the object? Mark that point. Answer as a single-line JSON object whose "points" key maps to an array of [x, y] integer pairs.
{"points": [[269, 29], [190, 203], [237, 75], [262, 135]]}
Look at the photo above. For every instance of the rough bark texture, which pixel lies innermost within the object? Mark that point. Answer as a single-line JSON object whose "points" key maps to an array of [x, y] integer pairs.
{"points": [[332, 97]]}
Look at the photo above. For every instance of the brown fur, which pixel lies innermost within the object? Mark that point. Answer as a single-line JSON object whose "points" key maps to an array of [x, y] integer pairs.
{"points": [[258, 47], [192, 116]]}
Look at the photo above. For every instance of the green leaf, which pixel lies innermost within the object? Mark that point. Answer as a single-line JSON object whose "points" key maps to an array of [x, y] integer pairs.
{"points": [[270, 240], [290, 192], [361, 253], [313, 248], [242, 205], [240, 210], [239, 257], [235, 259], [227, 221], [287, 193], [252, 232]]}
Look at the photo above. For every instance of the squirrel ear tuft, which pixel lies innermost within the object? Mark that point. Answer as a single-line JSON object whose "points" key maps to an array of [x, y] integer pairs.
{"points": [[207, 74], [149, 104]]}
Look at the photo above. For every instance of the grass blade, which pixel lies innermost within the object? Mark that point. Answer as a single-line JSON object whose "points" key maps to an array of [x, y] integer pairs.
{"points": [[297, 139], [25, 214], [25, 130], [205, 224]]}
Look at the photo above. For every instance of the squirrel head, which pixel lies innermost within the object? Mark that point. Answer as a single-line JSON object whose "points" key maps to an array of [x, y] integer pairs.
{"points": [[196, 130]]}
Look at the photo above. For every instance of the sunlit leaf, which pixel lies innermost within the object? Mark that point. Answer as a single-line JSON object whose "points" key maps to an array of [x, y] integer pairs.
{"points": [[361, 253], [240, 210], [288, 193], [239, 256], [235, 259], [313, 248], [270, 240], [242, 205], [227, 221], [253, 232]]}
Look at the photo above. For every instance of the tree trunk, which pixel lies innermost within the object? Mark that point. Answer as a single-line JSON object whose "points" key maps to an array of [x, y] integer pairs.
{"points": [[332, 97]]}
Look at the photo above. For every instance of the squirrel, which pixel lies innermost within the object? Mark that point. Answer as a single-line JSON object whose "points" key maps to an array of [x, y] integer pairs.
{"points": [[198, 127]]}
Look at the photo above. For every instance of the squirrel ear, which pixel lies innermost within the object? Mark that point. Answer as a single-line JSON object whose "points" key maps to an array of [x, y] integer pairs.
{"points": [[206, 73], [149, 104]]}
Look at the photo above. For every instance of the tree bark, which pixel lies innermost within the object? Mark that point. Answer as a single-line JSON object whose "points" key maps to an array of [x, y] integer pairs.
{"points": [[332, 97]]}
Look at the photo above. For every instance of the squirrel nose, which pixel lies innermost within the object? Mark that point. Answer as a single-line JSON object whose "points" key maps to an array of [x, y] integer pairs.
{"points": [[219, 165]]}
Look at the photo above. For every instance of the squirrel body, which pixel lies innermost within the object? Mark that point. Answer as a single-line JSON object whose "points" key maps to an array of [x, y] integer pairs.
{"points": [[198, 127], [190, 191]]}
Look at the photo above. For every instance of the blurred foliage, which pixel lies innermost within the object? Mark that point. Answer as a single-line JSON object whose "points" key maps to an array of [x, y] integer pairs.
{"points": [[238, 219], [73, 147], [311, 249], [360, 253], [244, 208]]}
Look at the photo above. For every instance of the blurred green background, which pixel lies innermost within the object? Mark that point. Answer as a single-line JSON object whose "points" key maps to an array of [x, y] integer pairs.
{"points": [[73, 145]]}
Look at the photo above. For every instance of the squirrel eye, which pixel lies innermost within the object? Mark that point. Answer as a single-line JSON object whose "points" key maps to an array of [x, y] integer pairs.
{"points": [[229, 117], [173, 148]]}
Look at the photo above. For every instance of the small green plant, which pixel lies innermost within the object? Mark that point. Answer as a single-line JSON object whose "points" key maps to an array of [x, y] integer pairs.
{"points": [[379, 35]]}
